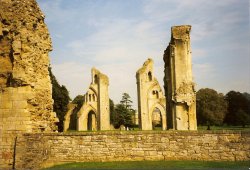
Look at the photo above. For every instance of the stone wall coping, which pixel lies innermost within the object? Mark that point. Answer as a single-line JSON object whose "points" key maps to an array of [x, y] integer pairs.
{"points": [[183, 133]]}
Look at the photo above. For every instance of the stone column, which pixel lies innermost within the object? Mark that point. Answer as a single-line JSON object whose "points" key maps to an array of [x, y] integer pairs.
{"points": [[179, 85]]}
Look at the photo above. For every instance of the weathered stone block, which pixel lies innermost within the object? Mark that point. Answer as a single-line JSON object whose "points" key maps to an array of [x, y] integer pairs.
{"points": [[6, 104], [20, 104]]}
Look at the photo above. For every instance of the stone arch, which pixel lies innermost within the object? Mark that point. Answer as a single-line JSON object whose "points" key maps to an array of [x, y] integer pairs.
{"points": [[162, 113], [82, 120], [92, 121]]}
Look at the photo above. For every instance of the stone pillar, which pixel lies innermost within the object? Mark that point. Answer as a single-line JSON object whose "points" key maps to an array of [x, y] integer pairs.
{"points": [[179, 85], [103, 102]]}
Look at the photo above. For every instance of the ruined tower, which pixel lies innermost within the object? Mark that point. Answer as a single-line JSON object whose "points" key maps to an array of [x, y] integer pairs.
{"points": [[94, 114], [150, 97], [179, 85], [26, 103]]}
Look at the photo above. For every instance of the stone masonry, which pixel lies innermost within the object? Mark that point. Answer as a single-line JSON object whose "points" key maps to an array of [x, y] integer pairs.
{"points": [[179, 85], [59, 148], [94, 113], [150, 96], [25, 87]]}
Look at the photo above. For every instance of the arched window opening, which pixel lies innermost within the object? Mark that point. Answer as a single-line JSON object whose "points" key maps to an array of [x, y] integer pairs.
{"points": [[95, 79], [92, 121], [90, 97], [157, 94], [93, 96], [156, 119], [149, 76]]}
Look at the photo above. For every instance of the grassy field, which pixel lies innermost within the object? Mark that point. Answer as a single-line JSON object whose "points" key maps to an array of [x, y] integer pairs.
{"points": [[156, 165], [213, 128], [247, 128]]}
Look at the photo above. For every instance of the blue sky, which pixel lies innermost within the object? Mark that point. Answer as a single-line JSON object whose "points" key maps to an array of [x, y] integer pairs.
{"points": [[117, 36]]}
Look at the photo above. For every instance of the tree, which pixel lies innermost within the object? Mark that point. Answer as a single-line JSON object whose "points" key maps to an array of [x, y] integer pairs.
{"points": [[126, 101], [112, 111], [211, 107], [61, 99], [242, 118], [237, 104], [79, 99], [122, 116]]}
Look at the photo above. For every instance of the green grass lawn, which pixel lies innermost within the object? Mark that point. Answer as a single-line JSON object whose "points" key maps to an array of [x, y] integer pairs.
{"points": [[246, 128], [213, 128], [155, 165]]}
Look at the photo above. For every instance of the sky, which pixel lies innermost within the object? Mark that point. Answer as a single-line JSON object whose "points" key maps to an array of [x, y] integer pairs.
{"points": [[117, 37]]}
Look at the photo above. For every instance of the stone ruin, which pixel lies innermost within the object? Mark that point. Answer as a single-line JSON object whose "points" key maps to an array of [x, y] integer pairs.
{"points": [[179, 85], [94, 113], [26, 103], [177, 112], [151, 100]]}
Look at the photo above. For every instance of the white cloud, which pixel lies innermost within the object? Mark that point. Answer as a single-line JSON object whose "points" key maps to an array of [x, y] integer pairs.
{"points": [[76, 77]]}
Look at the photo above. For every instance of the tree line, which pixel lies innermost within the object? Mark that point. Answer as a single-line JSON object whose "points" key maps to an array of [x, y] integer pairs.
{"points": [[215, 108]]}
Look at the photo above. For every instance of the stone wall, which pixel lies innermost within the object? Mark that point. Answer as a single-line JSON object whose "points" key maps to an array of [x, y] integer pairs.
{"points": [[26, 103], [42, 150]]}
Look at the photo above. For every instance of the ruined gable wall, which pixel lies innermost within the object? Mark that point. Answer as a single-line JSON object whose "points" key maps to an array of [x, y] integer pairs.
{"points": [[97, 100], [25, 87], [150, 96]]}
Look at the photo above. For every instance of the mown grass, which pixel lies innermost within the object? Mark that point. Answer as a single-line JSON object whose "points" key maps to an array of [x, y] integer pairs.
{"points": [[155, 165], [200, 128], [246, 128]]}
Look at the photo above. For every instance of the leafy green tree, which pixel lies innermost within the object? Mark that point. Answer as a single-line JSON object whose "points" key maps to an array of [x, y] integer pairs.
{"points": [[211, 107], [122, 116], [61, 99], [242, 118], [237, 104], [126, 101], [112, 111], [79, 99]]}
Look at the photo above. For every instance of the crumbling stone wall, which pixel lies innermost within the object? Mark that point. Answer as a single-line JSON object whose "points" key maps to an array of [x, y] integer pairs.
{"points": [[94, 113], [179, 85], [25, 88], [150, 96], [67, 118], [60, 148]]}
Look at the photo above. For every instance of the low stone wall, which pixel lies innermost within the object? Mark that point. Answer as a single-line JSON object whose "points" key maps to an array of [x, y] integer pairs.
{"points": [[47, 149]]}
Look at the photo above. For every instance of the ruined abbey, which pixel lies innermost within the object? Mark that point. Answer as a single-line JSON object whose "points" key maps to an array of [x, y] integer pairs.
{"points": [[28, 131], [175, 111]]}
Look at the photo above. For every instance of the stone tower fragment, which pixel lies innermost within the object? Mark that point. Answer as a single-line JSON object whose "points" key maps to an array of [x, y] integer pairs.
{"points": [[26, 103], [94, 114], [179, 85], [150, 97]]}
